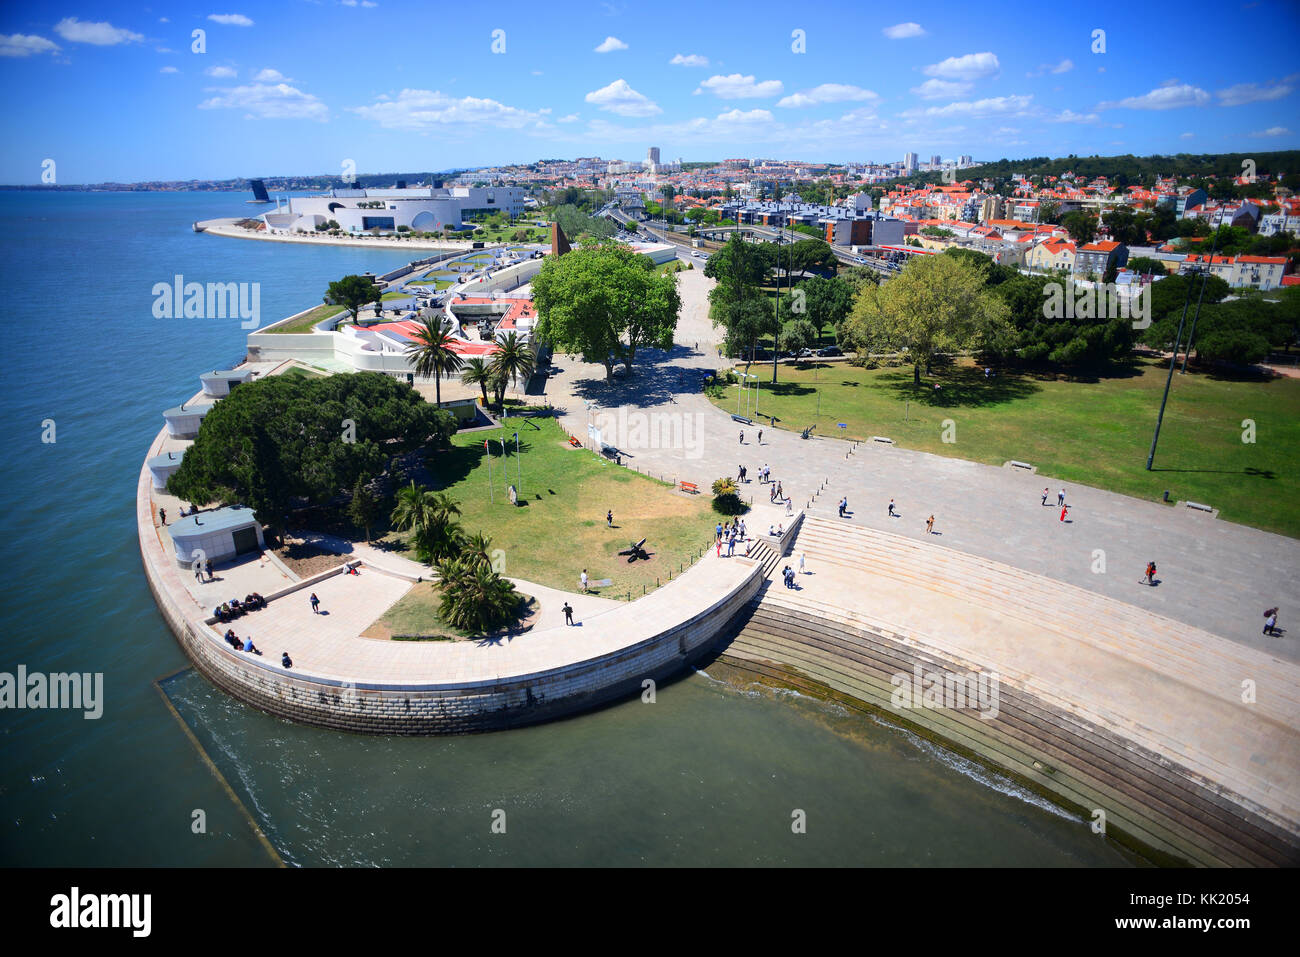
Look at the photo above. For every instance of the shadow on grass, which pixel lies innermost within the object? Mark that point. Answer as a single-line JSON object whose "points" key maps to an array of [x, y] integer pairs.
{"points": [[960, 388], [1250, 471]]}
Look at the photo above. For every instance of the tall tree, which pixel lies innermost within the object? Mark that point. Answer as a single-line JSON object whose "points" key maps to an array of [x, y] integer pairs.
{"points": [[432, 354], [353, 292], [513, 360], [937, 303], [479, 373]]}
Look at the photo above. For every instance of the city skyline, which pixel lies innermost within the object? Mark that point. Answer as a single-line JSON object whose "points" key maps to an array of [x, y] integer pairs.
{"points": [[520, 83]]}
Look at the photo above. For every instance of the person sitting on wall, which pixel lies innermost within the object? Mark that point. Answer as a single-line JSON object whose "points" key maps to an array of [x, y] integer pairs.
{"points": [[285, 660], [248, 646], [233, 640]]}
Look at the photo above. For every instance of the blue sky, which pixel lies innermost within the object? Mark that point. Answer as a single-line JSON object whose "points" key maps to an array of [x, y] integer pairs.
{"points": [[117, 92]]}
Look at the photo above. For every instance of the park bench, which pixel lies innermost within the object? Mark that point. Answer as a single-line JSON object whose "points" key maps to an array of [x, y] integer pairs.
{"points": [[689, 487]]}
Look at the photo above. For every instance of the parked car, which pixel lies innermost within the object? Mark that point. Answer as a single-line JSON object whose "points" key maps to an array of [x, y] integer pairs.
{"points": [[805, 354], [830, 351]]}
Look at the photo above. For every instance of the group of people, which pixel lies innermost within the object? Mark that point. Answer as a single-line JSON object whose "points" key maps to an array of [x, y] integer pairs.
{"points": [[728, 534], [787, 574], [230, 610], [1060, 502], [246, 644]]}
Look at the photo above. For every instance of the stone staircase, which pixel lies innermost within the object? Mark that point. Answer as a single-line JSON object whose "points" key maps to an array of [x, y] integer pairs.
{"points": [[1171, 802]]}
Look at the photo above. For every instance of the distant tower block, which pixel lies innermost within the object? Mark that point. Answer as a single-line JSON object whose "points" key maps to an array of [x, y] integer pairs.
{"points": [[559, 242], [259, 191]]}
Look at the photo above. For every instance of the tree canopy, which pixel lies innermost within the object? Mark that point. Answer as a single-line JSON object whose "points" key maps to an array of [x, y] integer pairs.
{"points": [[937, 303], [353, 292], [281, 437], [605, 302]]}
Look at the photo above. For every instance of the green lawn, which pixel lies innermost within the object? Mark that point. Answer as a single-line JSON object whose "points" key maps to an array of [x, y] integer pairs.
{"points": [[395, 295], [558, 529], [298, 372], [435, 283], [304, 322], [1095, 432]]}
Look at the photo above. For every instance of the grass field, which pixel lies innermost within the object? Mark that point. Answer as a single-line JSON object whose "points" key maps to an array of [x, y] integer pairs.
{"points": [[304, 322], [435, 283], [1095, 432], [558, 529]]}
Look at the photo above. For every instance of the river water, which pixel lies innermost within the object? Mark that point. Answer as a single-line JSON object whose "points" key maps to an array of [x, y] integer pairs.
{"points": [[712, 772]]}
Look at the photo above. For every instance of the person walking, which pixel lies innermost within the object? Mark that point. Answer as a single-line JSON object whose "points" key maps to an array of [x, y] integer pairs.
{"points": [[198, 572], [929, 525], [1151, 573], [717, 531], [719, 546], [207, 567], [315, 604], [742, 436], [893, 512], [760, 436], [780, 493], [162, 515], [1046, 492], [731, 545], [1064, 511], [771, 493], [609, 518], [1060, 497], [568, 613], [1270, 622], [801, 570], [844, 504], [583, 580]]}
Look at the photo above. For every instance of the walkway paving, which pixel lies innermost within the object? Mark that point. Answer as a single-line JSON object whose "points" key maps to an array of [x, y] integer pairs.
{"points": [[1213, 574]]}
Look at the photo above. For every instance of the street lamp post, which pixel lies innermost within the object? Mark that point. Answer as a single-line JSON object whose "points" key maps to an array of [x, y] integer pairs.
{"points": [[776, 329]]}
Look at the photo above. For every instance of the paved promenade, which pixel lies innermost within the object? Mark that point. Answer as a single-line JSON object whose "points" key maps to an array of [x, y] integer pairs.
{"points": [[1212, 574]]}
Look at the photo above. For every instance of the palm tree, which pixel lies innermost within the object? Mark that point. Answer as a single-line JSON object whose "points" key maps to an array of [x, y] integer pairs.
{"points": [[474, 597], [433, 355], [514, 359], [412, 509], [476, 549], [479, 373]]}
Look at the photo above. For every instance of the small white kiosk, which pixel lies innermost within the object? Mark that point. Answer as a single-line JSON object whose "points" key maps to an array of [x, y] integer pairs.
{"points": [[216, 535], [162, 467], [183, 421], [219, 382]]}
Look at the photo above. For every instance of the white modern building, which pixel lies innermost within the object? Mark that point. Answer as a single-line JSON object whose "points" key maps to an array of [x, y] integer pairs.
{"points": [[216, 535], [420, 209]]}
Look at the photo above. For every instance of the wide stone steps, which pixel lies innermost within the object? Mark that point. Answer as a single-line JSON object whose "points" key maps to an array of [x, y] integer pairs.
{"points": [[1202, 699], [1081, 763], [1172, 648]]}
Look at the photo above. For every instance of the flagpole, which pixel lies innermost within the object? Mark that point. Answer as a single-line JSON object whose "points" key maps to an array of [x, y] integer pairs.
{"points": [[491, 495]]}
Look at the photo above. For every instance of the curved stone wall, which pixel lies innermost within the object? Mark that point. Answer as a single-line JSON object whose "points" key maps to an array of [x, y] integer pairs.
{"points": [[425, 708]]}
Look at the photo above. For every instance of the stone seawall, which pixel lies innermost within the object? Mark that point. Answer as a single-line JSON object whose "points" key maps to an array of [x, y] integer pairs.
{"points": [[425, 708]]}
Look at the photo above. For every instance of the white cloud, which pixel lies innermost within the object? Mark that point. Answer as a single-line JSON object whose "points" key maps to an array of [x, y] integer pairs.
{"points": [[621, 99], [97, 34], [221, 72], [942, 89], [1273, 131], [1242, 93], [428, 109], [570, 118], [1186, 136], [268, 102], [24, 44], [1170, 96], [169, 69], [741, 117], [269, 76], [737, 87], [1069, 116], [689, 59], [611, 44], [988, 107], [230, 19], [972, 66], [827, 93], [902, 31], [164, 20], [1065, 66]]}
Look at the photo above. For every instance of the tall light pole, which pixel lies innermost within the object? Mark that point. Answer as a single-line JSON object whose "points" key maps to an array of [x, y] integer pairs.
{"points": [[1191, 333], [776, 328]]}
